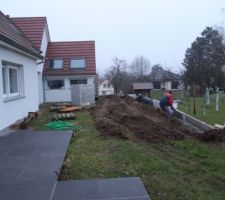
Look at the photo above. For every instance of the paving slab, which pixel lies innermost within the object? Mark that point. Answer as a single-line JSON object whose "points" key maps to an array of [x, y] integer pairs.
{"points": [[101, 189], [30, 163]]}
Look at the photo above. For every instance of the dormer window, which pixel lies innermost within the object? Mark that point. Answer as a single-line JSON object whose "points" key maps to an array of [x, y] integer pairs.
{"points": [[77, 63], [55, 64]]}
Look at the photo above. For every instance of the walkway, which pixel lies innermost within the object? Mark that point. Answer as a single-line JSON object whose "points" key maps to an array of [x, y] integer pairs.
{"points": [[30, 163]]}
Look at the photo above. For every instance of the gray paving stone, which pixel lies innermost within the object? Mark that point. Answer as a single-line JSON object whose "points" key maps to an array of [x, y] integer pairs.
{"points": [[10, 174], [37, 175], [26, 191], [118, 188], [30, 163], [18, 161], [51, 161]]}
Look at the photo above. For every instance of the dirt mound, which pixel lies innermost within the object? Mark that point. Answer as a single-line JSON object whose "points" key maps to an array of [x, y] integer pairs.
{"points": [[120, 116], [217, 135], [117, 116]]}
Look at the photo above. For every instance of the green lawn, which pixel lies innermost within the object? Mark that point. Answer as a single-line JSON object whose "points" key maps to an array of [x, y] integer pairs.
{"points": [[174, 170], [203, 112], [185, 170]]}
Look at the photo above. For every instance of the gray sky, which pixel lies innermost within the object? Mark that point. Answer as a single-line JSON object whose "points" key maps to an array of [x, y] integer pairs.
{"points": [[161, 30]]}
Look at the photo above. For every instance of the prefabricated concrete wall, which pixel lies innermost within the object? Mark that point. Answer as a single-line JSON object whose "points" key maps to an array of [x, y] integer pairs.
{"points": [[57, 95], [202, 126], [65, 94], [28, 101], [87, 94], [83, 94], [196, 123]]}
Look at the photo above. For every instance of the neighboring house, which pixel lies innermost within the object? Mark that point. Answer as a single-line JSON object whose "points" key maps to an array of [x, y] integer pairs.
{"points": [[164, 79], [143, 88], [105, 88], [18, 73], [36, 30], [69, 72], [67, 64]]}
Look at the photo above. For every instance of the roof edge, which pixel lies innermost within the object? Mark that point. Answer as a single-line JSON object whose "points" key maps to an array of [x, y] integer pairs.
{"points": [[21, 47]]}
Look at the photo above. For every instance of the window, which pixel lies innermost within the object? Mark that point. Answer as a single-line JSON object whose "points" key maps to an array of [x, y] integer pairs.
{"points": [[104, 85], [56, 84], [4, 80], [12, 80], [55, 64], [175, 84], [77, 63], [78, 81], [156, 85]]}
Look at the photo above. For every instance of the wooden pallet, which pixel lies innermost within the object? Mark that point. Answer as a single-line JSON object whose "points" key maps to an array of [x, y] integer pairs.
{"points": [[63, 116], [56, 108], [69, 109], [62, 104]]}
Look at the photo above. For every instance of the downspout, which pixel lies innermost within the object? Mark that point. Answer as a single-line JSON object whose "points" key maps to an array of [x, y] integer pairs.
{"points": [[40, 62], [43, 92], [43, 85]]}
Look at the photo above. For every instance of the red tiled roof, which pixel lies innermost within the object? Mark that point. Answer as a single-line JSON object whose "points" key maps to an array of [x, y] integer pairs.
{"points": [[66, 51], [11, 34], [32, 27]]}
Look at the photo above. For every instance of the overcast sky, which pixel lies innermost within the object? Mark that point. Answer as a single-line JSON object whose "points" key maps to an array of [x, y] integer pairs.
{"points": [[160, 30]]}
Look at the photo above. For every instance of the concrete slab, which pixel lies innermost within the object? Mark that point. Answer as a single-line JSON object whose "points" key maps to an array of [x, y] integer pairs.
{"points": [[104, 189], [30, 163]]}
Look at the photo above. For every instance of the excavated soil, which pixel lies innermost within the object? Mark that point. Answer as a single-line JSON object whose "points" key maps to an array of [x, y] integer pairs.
{"points": [[120, 116]]}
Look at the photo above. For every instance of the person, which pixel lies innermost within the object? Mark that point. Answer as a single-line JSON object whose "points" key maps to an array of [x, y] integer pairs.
{"points": [[166, 103]]}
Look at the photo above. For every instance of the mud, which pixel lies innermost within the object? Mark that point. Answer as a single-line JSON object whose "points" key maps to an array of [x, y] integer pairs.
{"points": [[123, 116]]}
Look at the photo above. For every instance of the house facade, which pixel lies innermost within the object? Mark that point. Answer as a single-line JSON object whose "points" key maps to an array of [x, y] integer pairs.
{"points": [[36, 30], [18, 73], [143, 88], [70, 69], [105, 88], [164, 79], [66, 63], [34, 70]]}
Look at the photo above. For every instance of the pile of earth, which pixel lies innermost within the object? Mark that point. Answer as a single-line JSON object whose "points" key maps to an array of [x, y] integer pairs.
{"points": [[120, 116]]}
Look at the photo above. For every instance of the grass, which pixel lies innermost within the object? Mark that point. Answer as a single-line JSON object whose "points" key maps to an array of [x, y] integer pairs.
{"points": [[174, 170], [203, 112], [43, 118], [184, 170]]}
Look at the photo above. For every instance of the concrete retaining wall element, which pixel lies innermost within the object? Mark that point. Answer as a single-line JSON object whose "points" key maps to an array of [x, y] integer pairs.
{"points": [[202, 126], [187, 119]]}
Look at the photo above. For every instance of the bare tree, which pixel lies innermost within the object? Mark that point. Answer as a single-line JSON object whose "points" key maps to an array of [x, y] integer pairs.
{"points": [[117, 73], [140, 67]]}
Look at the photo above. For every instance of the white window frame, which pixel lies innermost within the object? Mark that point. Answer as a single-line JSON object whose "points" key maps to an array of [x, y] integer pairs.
{"points": [[63, 87], [55, 59], [18, 83], [8, 94], [5, 83], [78, 59]]}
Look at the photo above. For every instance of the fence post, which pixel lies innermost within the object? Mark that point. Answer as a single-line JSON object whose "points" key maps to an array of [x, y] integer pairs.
{"points": [[207, 96], [217, 99], [194, 99]]}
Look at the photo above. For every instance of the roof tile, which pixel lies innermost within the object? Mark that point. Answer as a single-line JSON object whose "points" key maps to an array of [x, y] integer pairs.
{"points": [[71, 50]]}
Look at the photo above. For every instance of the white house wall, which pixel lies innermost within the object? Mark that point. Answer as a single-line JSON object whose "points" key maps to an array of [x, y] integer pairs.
{"points": [[107, 90], [11, 111], [44, 45], [64, 94]]}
